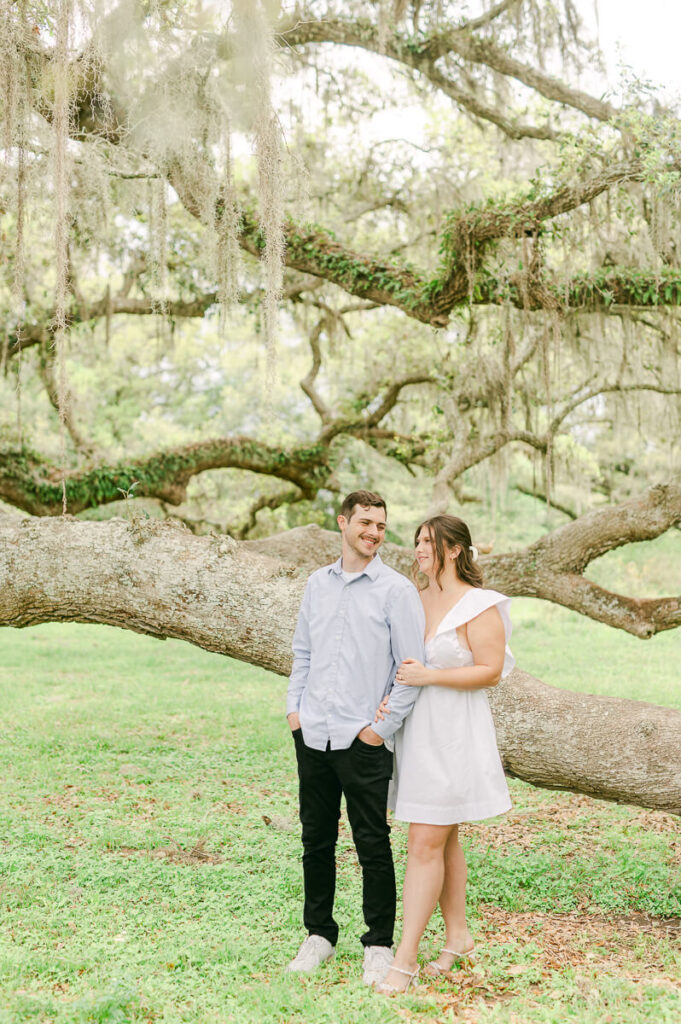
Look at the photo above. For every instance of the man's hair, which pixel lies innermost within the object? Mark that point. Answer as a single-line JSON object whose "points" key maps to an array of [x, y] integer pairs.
{"points": [[365, 499]]}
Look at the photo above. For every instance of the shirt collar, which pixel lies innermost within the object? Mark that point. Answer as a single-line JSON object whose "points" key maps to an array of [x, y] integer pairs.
{"points": [[372, 570]]}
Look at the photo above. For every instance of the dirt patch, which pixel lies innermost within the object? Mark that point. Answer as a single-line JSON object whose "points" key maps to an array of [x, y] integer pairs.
{"points": [[178, 855], [585, 943], [174, 853], [581, 939], [522, 829]]}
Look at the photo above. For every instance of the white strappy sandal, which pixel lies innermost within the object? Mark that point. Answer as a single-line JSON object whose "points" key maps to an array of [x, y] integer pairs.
{"points": [[391, 990], [433, 968]]}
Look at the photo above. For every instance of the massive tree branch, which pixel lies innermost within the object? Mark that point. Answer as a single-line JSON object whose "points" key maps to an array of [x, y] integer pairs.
{"points": [[377, 279], [31, 483], [552, 567], [422, 53], [158, 579]]}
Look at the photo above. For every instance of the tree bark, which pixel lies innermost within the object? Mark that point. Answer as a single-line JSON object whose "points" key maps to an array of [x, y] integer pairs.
{"points": [[550, 569], [157, 578], [614, 749]]}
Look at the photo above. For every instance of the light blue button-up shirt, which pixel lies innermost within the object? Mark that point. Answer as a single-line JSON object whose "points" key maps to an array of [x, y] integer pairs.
{"points": [[349, 640]]}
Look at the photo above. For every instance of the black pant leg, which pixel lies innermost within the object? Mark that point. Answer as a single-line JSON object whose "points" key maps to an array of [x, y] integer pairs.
{"points": [[320, 801], [365, 772]]}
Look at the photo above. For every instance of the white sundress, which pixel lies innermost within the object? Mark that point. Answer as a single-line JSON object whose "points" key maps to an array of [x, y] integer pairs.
{"points": [[447, 765]]}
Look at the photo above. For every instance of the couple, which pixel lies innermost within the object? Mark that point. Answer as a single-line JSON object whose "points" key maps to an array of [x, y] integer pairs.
{"points": [[362, 673]]}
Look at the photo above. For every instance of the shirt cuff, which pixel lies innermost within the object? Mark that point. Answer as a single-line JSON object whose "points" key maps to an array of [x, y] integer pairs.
{"points": [[385, 728], [292, 704]]}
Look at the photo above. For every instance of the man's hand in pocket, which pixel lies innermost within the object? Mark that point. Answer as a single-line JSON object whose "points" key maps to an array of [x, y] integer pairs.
{"points": [[368, 736]]}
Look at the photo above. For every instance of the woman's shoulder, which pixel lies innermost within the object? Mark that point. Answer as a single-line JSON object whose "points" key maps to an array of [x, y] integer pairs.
{"points": [[476, 601]]}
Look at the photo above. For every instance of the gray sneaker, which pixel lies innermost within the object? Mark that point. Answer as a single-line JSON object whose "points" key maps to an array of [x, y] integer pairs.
{"points": [[377, 962], [311, 955]]}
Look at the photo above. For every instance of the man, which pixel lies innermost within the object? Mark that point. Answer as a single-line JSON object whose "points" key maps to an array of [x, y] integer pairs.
{"points": [[358, 621]]}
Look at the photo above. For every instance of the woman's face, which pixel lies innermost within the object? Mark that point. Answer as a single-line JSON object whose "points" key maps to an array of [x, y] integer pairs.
{"points": [[425, 552], [426, 556]]}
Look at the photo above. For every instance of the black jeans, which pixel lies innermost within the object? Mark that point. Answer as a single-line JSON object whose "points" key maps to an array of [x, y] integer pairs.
{"points": [[362, 773]]}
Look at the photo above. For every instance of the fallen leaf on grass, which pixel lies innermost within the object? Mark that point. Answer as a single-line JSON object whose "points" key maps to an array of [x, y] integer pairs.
{"points": [[197, 855], [280, 824]]}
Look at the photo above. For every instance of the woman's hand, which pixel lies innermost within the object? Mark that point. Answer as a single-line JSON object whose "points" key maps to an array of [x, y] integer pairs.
{"points": [[412, 673], [382, 709]]}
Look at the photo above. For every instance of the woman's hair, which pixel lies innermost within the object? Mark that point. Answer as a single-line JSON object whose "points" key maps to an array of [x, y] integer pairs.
{"points": [[445, 533]]}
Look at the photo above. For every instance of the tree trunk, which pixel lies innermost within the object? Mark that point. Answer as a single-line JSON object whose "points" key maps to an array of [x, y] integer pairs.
{"points": [[156, 578], [614, 749]]}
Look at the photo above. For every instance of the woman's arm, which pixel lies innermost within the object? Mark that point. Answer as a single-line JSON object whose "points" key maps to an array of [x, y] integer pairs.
{"points": [[487, 642]]}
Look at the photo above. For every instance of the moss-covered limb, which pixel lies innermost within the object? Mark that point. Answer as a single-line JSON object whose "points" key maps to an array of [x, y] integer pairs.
{"points": [[421, 53], [518, 218], [603, 289], [313, 250], [34, 484], [467, 238], [465, 242]]}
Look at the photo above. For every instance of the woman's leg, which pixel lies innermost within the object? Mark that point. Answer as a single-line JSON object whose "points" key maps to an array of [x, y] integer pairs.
{"points": [[423, 881], [453, 901]]}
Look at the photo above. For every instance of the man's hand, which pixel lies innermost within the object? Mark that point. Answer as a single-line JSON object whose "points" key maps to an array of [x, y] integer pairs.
{"points": [[368, 736], [294, 720]]}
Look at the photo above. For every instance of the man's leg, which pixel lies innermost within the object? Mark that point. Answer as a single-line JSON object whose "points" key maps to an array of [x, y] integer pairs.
{"points": [[320, 797], [365, 772]]}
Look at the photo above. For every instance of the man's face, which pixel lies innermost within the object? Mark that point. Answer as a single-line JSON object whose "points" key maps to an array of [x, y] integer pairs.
{"points": [[364, 531]]}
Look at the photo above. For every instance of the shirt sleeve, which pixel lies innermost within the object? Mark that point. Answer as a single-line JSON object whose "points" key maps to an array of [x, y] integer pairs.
{"points": [[407, 626], [301, 655]]}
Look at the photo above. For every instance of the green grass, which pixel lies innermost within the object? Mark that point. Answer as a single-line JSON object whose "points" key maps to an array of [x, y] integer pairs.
{"points": [[150, 859], [568, 650]]}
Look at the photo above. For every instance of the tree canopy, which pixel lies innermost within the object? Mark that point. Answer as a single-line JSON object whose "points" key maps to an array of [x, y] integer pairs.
{"points": [[254, 250]]}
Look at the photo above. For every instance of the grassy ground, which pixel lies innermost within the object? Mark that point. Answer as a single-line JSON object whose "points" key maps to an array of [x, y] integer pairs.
{"points": [[149, 851]]}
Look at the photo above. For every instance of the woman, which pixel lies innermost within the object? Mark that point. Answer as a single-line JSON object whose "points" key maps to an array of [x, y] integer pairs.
{"points": [[448, 766]]}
